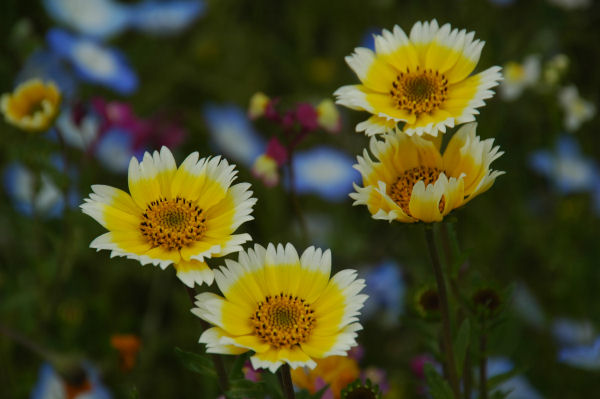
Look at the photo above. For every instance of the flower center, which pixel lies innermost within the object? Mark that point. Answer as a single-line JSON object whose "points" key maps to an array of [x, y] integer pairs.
{"points": [[173, 223], [420, 91], [401, 190], [283, 320]]}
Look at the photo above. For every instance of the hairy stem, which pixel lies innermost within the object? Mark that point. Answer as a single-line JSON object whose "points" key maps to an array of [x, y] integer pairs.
{"points": [[286, 382], [445, 312]]}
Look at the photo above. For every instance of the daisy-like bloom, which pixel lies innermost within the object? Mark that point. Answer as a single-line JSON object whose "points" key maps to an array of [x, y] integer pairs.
{"points": [[421, 80], [412, 181], [32, 106], [577, 110], [518, 77], [178, 216], [283, 307]]}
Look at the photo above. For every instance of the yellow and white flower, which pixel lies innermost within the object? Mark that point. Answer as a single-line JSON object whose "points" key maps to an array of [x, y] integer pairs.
{"points": [[33, 105], [178, 216], [517, 77], [421, 79], [577, 110], [283, 307], [412, 181]]}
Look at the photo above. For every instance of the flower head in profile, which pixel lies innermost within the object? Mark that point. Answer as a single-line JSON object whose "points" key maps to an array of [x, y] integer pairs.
{"points": [[577, 110], [421, 80], [412, 181], [178, 216], [32, 106], [519, 76], [283, 307]]}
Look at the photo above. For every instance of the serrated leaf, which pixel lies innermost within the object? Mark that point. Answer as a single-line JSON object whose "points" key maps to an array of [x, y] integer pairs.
{"points": [[461, 344], [241, 388], [197, 363], [438, 387]]}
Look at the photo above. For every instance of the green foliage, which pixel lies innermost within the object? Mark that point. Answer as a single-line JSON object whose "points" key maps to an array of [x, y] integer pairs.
{"points": [[438, 386], [198, 363]]}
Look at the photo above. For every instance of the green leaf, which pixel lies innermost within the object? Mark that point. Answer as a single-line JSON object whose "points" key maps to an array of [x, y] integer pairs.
{"points": [[240, 389], [320, 392], [197, 363], [236, 371], [438, 387], [500, 378], [461, 344]]}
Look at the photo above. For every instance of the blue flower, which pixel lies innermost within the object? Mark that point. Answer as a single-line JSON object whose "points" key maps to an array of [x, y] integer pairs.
{"points": [[573, 332], [81, 135], [583, 356], [51, 385], [94, 62], [115, 149], [517, 387], [165, 18], [569, 171], [48, 66], [368, 39], [233, 134], [94, 18], [385, 288], [33, 194], [326, 172]]}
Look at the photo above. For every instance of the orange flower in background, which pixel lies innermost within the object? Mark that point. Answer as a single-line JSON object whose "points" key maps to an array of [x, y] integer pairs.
{"points": [[33, 105], [335, 371], [128, 346]]}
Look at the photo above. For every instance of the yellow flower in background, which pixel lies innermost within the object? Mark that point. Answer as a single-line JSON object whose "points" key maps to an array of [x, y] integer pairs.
{"points": [[32, 106], [178, 216], [283, 307], [335, 371], [412, 181], [328, 116], [519, 76], [258, 104], [421, 79]]}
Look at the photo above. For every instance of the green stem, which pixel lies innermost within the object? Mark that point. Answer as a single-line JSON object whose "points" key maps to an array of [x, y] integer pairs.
{"points": [[294, 197], [483, 392], [216, 359], [445, 312], [286, 382]]}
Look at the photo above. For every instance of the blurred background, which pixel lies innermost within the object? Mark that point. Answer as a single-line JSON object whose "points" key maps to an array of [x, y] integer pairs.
{"points": [[182, 73]]}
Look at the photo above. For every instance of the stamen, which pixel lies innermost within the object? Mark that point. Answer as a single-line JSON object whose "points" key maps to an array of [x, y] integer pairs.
{"points": [[283, 320], [401, 190], [419, 92], [173, 224]]}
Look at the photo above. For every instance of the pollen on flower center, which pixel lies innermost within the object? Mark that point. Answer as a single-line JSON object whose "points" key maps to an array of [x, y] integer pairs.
{"points": [[283, 320], [401, 190], [173, 223], [421, 91]]}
